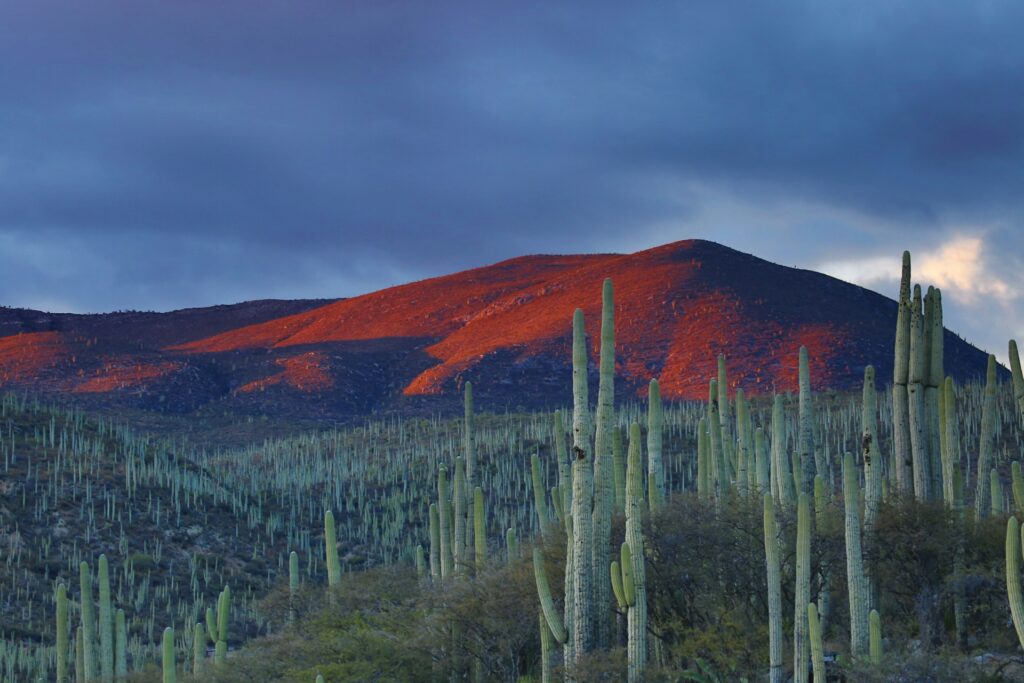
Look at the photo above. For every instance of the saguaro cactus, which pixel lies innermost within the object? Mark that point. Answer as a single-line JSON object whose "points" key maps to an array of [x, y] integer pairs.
{"points": [[106, 622], [902, 459], [120, 645], [604, 479], [88, 637], [725, 415], [987, 446], [817, 649], [655, 469], [875, 629], [870, 451], [1018, 377], [1013, 591], [435, 543], [805, 443], [774, 571], [801, 645], [62, 634], [704, 481], [582, 498], [293, 584], [459, 515], [444, 516], [719, 477], [479, 528], [170, 676], [331, 550], [856, 579], [782, 476], [198, 649], [934, 379], [918, 414], [637, 615]]}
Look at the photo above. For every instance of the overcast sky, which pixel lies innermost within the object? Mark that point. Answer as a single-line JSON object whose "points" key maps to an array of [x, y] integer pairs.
{"points": [[158, 155]]}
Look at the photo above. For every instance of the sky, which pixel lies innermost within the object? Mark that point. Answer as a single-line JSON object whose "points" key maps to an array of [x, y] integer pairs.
{"points": [[160, 155]]}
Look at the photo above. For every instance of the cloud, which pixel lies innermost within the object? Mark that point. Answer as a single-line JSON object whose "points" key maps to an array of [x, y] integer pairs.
{"points": [[959, 268]]}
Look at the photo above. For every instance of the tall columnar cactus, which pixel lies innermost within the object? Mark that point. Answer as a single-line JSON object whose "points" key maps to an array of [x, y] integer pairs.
{"points": [[1013, 591], [479, 529], [933, 384], [856, 579], [604, 478], [801, 652], [821, 502], [782, 477], [435, 543], [998, 504], [619, 469], [1018, 378], [539, 501], [915, 394], [761, 462], [902, 458], [293, 585], [79, 656], [459, 515], [875, 637], [774, 571], [62, 634], [444, 516], [106, 624], [704, 481], [469, 455], [870, 451], [718, 476], [987, 447], [547, 602], [817, 648], [725, 415], [582, 498], [223, 618], [89, 665], [168, 657], [637, 615], [120, 645], [1017, 486], [331, 550], [564, 464], [655, 469], [198, 649], [951, 441], [744, 448], [546, 673], [805, 444]]}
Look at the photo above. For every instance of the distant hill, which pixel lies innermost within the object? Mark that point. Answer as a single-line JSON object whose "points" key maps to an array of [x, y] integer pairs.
{"points": [[505, 327]]}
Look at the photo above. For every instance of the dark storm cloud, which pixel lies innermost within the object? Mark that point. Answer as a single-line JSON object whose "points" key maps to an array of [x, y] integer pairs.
{"points": [[156, 155]]}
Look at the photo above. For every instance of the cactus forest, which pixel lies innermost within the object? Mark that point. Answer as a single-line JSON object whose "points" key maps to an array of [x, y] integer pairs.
{"points": [[821, 536]]}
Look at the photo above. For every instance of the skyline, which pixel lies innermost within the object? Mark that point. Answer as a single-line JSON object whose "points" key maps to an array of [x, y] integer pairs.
{"points": [[156, 157]]}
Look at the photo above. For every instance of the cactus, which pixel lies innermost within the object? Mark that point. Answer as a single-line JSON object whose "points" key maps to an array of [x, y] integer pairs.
{"points": [[856, 579], [987, 447], [774, 571], [821, 500], [293, 584], [511, 544], [538, 493], [582, 499], [62, 634], [545, 650], [1018, 378], [915, 396], [745, 469], [934, 378], [637, 615], [331, 550], [1017, 486], [817, 649], [435, 543], [718, 476], [459, 516], [805, 442], [604, 479], [88, 638], [444, 516], [106, 624], [998, 505], [198, 649], [1013, 591], [703, 466], [950, 441], [875, 630], [902, 458], [120, 646], [168, 656], [782, 479], [803, 589], [870, 451], [479, 528], [79, 655], [619, 469], [655, 469], [547, 603]]}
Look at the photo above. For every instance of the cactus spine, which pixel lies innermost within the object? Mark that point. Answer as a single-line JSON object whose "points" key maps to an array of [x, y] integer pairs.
{"points": [[168, 656], [902, 459], [855, 578], [774, 571], [582, 499], [88, 637], [806, 433], [987, 446], [801, 652], [1013, 591], [817, 650], [637, 615], [331, 550], [655, 469], [106, 622], [62, 634], [604, 480]]}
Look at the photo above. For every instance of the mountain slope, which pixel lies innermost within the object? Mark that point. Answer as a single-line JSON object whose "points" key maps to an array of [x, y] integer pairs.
{"points": [[506, 327]]}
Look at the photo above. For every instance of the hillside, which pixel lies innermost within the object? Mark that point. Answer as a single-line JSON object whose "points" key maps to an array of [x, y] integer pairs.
{"points": [[504, 326]]}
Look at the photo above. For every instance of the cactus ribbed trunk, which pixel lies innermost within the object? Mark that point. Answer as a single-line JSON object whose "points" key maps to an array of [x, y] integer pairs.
{"points": [[604, 478], [774, 571], [582, 499], [655, 469], [725, 417], [444, 517], [619, 469], [902, 457], [1018, 378], [331, 550], [636, 647], [545, 650], [875, 637], [459, 515], [801, 646], [106, 624], [761, 462], [62, 634], [871, 454], [856, 580], [745, 470], [120, 645], [915, 395], [168, 656], [1013, 591], [934, 377], [817, 649], [479, 529], [719, 471], [782, 475], [951, 441], [805, 444], [435, 543], [987, 446], [89, 664]]}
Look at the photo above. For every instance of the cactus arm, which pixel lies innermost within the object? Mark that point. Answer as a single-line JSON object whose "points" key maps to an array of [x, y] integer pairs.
{"points": [[547, 604]]}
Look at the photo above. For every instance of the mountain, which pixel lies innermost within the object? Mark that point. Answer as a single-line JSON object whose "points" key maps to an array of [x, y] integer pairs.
{"points": [[506, 327]]}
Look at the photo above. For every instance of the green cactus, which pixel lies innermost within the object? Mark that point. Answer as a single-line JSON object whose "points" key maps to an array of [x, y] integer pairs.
{"points": [[219, 633], [774, 572], [604, 478], [435, 544], [902, 457], [745, 469], [870, 452], [805, 441], [934, 378], [293, 584], [546, 666], [856, 579], [782, 479], [511, 544], [106, 623], [655, 469], [915, 396], [331, 550], [479, 528], [89, 667], [62, 634], [986, 449], [1017, 486], [79, 655], [459, 516], [170, 676], [445, 516], [1013, 591], [1018, 378], [875, 629], [120, 645], [998, 505], [763, 478], [547, 603], [582, 499], [635, 583], [718, 476], [951, 459], [817, 649], [801, 652], [619, 469], [725, 417], [198, 649], [539, 502]]}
